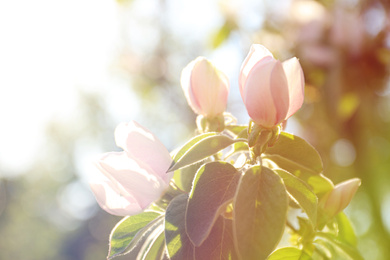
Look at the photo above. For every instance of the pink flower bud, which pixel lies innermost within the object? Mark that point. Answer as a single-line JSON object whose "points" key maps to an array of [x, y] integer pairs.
{"points": [[272, 91], [205, 87], [339, 198], [137, 176]]}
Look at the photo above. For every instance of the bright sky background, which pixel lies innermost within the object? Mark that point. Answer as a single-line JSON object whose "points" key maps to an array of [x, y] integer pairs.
{"points": [[48, 49]]}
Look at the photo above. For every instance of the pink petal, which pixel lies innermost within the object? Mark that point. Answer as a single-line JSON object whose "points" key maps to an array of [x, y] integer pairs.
{"points": [[339, 198], [113, 202], [222, 96], [266, 93], [185, 81], [296, 84], [209, 88], [279, 90], [143, 146], [128, 176], [257, 52]]}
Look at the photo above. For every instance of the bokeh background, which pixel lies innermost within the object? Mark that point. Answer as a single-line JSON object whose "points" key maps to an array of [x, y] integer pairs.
{"points": [[70, 71]]}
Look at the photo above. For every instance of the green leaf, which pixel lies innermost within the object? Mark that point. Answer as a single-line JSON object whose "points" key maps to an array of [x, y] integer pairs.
{"points": [[319, 183], [214, 187], [259, 213], [162, 203], [147, 243], [237, 148], [322, 250], [156, 250], [240, 146], [219, 244], [127, 233], [295, 155], [189, 144], [201, 148], [298, 157], [301, 193], [184, 177], [237, 129], [178, 244], [343, 250], [306, 228], [289, 253], [346, 232]]}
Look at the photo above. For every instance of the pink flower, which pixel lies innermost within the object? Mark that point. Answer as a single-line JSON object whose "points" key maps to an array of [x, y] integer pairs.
{"points": [[339, 198], [137, 176], [272, 91], [205, 87]]}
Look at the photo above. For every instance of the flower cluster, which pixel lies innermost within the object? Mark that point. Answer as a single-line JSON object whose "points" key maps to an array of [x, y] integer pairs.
{"points": [[225, 194], [272, 91]]}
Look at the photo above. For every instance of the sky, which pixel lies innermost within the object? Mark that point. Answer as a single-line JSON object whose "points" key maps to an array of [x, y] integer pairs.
{"points": [[52, 49], [48, 50]]}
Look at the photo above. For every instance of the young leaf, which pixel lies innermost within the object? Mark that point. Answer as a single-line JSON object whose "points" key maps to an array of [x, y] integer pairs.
{"points": [[193, 152], [294, 154], [178, 244], [127, 233], [148, 243], [219, 244], [306, 228], [240, 146], [184, 177], [236, 129], [214, 187], [191, 143], [289, 253], [346, 233], [259, 213], [156, 250], [344, 251], [319, 183], [301, 193]]}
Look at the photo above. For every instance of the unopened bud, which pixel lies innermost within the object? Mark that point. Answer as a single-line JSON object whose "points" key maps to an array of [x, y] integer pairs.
{"points": [[339, 198]]}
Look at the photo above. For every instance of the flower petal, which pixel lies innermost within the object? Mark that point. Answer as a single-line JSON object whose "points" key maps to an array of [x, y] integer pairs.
{"points": [[130, 177], [143, 146], [219, 104], [209, 87], [279, 91], [256, 53], [340, 197], [265, 92], [296, 84], [185, 81], [112, 201]]}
